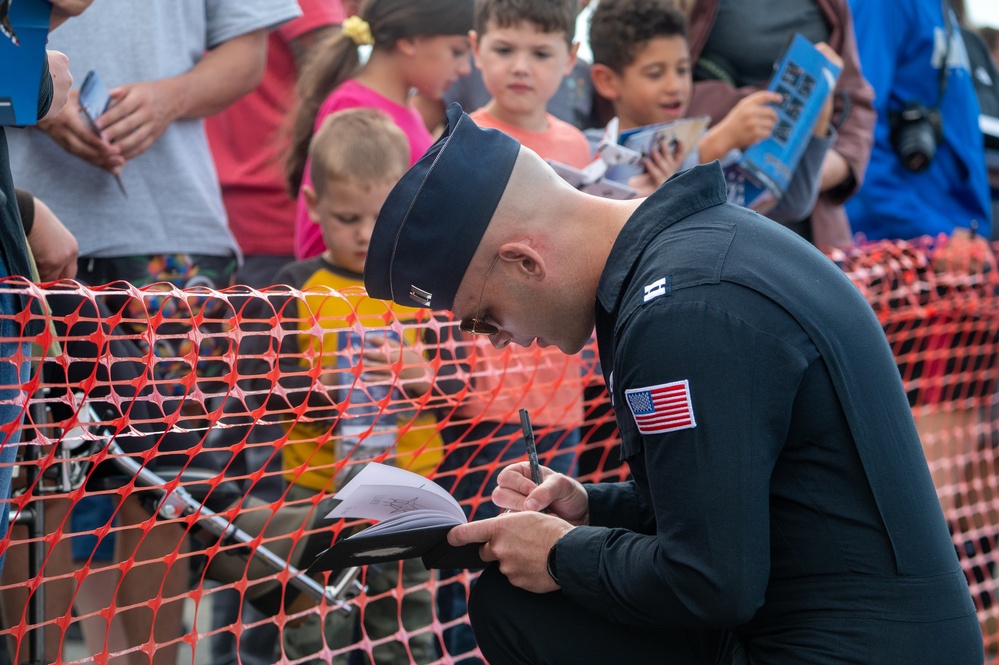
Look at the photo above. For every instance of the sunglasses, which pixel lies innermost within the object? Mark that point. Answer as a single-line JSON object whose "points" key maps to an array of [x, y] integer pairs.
{"points": [[475, 325]]}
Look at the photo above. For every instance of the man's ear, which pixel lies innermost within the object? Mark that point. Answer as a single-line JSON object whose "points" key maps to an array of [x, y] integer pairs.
{"points": [[528, 261], [605, 81]]}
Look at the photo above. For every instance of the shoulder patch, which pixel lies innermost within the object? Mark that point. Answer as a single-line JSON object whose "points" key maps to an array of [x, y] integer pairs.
{"points": [[660, 287], [662, 408]]}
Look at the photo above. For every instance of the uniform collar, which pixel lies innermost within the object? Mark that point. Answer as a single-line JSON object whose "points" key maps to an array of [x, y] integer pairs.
{"points": [[682, 195]]}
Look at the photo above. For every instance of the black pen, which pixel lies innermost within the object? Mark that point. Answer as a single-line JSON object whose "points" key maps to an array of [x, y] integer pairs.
{"points": [[532, 451]]}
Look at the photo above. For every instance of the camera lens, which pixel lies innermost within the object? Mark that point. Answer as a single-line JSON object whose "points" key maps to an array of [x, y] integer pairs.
{"points": [[916, 146], [914, 136]]}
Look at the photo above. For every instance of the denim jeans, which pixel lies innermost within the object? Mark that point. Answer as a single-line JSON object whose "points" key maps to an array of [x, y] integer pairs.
{"points": [[13, 374], [476, 455]]}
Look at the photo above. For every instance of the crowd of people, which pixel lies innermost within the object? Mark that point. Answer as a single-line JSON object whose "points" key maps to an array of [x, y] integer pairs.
{"points": [[256, 143]]}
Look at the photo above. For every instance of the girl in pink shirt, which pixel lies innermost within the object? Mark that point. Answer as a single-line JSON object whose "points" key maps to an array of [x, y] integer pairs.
{"points": [[420, 46]]}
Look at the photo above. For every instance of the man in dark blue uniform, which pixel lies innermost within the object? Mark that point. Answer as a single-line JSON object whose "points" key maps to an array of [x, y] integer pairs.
{"points": [[780, 510]]}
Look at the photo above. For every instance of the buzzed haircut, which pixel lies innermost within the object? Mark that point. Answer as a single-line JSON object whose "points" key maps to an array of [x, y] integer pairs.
{"points": [[619, 29], [361, 144], [546, 15]]}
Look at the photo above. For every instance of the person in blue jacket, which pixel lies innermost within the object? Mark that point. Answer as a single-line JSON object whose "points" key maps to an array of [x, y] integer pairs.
{"points": [[927, 173], [779, 510]]}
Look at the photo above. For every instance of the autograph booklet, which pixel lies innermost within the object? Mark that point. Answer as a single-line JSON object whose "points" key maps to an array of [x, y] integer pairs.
{"points": [[685, 131], [592, 178], [804, 77], [413, 515]]}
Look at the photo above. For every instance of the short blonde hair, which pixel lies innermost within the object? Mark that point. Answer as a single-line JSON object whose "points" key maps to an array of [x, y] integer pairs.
{"points": [[360, 144]]}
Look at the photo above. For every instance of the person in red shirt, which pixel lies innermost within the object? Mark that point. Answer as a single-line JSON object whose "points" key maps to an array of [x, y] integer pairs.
{"points": [[246, 141]]}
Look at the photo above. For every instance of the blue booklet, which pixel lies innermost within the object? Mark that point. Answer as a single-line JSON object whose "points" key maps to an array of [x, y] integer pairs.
{"points": [[804, 78], [24, 31]]}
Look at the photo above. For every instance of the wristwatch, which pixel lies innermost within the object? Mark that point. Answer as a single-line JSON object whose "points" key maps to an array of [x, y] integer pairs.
{"points": [[553, 563]]}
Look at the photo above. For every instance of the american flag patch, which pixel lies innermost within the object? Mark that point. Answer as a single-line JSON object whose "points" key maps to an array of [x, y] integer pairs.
{"points": [[662, 408]]}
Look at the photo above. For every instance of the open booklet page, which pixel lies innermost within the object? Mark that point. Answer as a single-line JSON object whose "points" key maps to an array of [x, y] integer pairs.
{"points": [[414, 515], [592, 178], [686, 132], [592, 181]]}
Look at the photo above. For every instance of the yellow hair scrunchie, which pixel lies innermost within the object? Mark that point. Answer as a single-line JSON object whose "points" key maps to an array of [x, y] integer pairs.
{"points": [[358, 30]]}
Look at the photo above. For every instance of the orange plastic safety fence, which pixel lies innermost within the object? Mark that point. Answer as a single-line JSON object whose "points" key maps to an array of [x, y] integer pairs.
{"points": [[179, 444]]}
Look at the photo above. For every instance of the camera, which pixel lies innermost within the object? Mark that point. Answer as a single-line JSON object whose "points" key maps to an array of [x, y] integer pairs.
{"points": [[915, 132]]}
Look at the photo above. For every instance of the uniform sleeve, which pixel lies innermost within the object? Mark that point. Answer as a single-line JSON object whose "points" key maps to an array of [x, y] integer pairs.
{"points": [[707, 564], [620, 505]]}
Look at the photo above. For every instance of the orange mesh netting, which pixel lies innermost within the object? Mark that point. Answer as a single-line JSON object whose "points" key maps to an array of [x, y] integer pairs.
{"points": [[176, 411]]}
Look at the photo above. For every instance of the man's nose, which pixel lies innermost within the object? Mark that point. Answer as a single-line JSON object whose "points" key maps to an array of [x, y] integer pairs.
{"points": [[501, 340]]}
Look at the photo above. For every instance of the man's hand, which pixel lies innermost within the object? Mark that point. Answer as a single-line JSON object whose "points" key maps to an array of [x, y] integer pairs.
{"points": [[62, 81], [64, 9], [558, 494], [821, 127], [52, 245], [519, 542], [138, 115], [72, 132]]}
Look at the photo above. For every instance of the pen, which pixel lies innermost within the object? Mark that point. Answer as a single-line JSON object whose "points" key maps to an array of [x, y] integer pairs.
{"points": [[120, 185], [532, 451]]}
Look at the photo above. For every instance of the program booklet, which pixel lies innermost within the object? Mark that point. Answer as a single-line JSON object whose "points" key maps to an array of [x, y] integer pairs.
{"points": [[804, 78], [24, 31], [685, 131], [592, 178], [413, 515]]}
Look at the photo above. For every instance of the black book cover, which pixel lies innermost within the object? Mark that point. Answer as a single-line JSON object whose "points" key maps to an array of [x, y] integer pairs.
{"points": [[413, 514], [428, 543]]}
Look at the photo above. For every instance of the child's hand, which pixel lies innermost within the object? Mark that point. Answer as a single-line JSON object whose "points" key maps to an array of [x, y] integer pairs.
{"points": [[382, 360], [752, 120], [821, 127], [660, 165], [963, 253]]}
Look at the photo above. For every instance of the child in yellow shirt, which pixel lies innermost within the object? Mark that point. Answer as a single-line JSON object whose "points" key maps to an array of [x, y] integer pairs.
{"points": [[364, 405]]}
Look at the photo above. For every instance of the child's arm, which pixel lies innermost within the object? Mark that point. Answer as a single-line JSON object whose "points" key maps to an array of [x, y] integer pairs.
{"points": [[751, 121], [806, 182], [803, 189], [392, 358], [835, 168]]}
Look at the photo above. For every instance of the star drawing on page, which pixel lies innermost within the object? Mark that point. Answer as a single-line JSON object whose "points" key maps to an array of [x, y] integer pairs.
{"points": [[400, 506]]}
